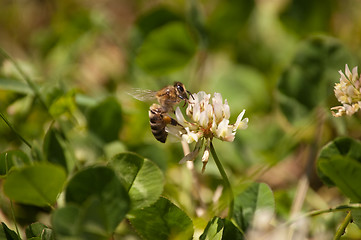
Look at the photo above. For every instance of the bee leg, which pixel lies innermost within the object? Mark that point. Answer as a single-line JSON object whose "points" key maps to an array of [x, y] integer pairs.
{"points": [[186, 100], [174, 122], [171, 121], [190, 94]]}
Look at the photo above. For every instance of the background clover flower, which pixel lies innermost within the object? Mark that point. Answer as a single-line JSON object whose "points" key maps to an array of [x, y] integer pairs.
{"points": [[209, 118], [348, 93]]}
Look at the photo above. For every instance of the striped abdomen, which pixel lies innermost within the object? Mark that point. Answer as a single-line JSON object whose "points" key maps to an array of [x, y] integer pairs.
{"points": [[157, 121]]}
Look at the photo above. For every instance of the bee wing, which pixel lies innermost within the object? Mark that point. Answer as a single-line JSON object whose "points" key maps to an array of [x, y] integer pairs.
{"points": [[143, 94]]}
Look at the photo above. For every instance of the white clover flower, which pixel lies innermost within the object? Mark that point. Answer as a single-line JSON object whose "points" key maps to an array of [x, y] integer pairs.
{"points": [[348, 93], [209, 118]]}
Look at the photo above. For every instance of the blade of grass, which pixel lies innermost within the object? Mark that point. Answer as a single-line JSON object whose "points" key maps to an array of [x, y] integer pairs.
{"points": [[13, 129], [26, 77]]}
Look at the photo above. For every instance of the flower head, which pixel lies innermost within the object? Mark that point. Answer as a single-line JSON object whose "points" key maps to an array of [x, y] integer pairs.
{"points": [[348, 93], [209, 118]]}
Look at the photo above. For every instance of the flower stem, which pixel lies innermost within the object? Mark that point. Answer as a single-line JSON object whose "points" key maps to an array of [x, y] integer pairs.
{"points": [[341, 229], [227, 185]]}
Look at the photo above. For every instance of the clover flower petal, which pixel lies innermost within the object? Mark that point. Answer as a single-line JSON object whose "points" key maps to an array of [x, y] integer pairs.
{"points": [[348, 93], [226, 110], [190, 136], [196, 112], [241, 123], [203, 119], [222, 130], [178, 114]]}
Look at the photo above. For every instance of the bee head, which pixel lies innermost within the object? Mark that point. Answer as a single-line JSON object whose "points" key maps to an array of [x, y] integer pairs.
{"points": [[181, 91]]}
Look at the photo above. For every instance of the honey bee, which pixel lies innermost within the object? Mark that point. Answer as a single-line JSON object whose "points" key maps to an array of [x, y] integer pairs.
{"points": [[167, 98]]}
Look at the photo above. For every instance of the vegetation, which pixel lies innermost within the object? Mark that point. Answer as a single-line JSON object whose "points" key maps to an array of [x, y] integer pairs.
{"points": [[79, 161]]}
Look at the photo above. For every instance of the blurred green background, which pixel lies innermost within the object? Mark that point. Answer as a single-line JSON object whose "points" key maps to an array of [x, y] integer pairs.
{"points": [[278, 59]]}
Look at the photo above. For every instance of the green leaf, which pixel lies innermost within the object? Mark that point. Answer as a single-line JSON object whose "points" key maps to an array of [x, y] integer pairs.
{"points": [[64, 104], [166, 49], [162, 220], [12, 158], [143, 179], [305, 16], [96, 222], [213, 230], [221, 229], [37, 185], [7, 234], [228, 19], [293, 110], [339, 164], [35, 230], [53, 148], [256, 197], [22, 106], [342, 146], [15, 85], [85, 222], [65, 221], [232, 80], [155, 18], [52, 93], [100, 190], [47, 234], [345, 173], [39, 231], [308, 81], [105, 119], [356, 217]]}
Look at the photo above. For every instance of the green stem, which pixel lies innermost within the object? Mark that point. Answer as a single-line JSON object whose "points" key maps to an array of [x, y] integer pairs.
{"points": [[227, 184], [341, 208], [13, 129], [341, 229], [11, 202]]}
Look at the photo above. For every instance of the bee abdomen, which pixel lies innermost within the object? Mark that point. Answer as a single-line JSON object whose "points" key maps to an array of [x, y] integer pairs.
{"points": [[157, 123], [160, 134]]}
